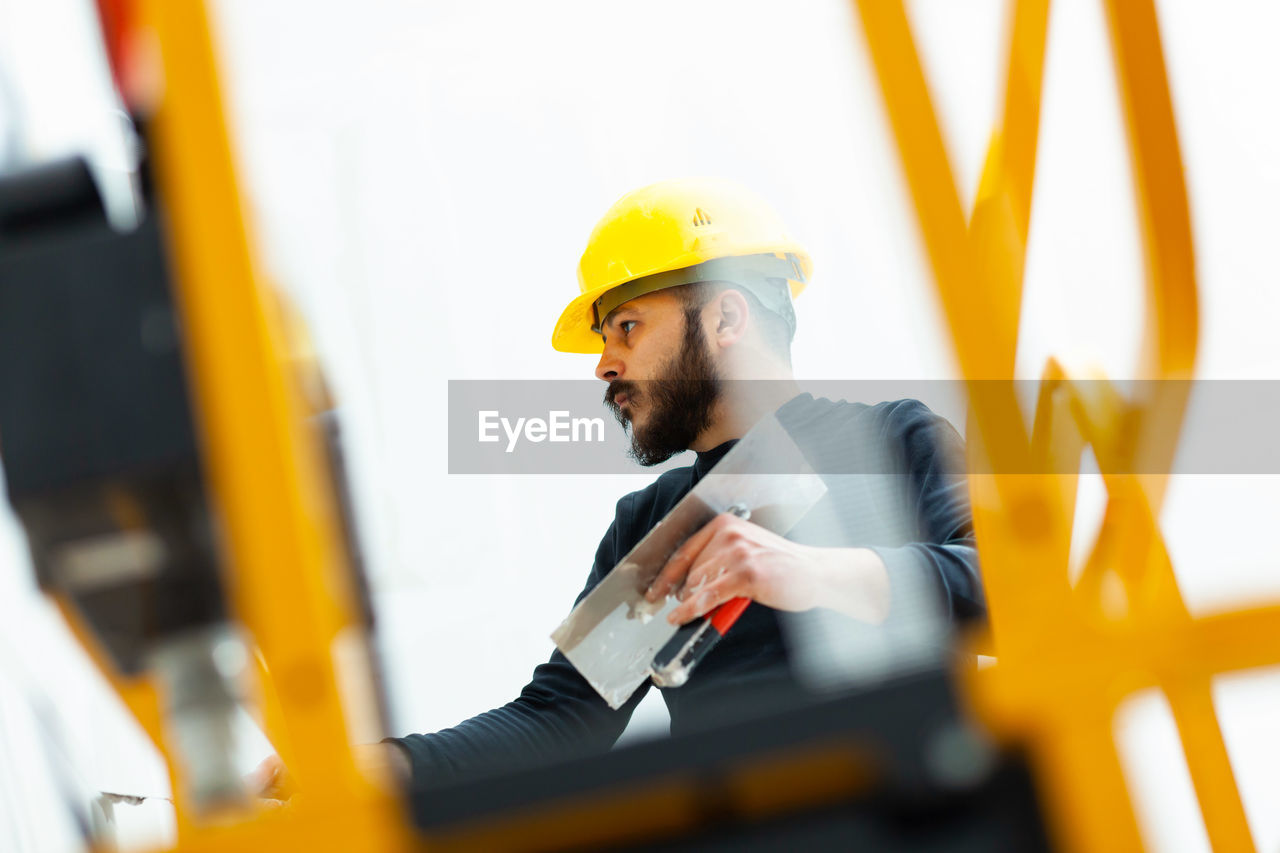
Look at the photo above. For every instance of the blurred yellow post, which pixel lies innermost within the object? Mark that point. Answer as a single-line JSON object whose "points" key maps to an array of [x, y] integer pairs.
{"points": [[1067, 656], [287, 576]]}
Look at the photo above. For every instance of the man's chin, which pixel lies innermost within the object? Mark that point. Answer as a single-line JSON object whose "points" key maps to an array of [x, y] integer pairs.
{"points": [[649, 450], [648, 456]]}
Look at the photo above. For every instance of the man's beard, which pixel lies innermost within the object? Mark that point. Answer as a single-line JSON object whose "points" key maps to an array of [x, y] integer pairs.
{"points": [[679, 405]]}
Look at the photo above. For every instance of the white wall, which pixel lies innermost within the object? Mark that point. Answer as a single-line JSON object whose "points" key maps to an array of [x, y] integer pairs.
{"points": [[423, 177]]}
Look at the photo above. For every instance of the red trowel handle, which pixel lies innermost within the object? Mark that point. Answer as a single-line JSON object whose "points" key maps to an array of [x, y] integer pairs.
{"points": [[672, 665], [723, 617]]}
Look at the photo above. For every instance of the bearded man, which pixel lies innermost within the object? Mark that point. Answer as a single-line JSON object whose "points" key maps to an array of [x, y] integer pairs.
{"points": [[686, 294]]}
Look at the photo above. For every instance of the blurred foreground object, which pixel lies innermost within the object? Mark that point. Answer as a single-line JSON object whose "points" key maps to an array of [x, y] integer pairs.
{"points": [[158, 420], [101, 459], [1069, 654]]}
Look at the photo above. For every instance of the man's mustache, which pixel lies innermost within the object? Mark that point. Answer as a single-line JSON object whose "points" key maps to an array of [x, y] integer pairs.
{"points": [[617, 388]]}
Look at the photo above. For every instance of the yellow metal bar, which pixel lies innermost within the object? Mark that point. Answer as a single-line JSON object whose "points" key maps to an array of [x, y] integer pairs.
{"points": [[287, 576], [1002, 211], [1171, 335], [1191, 701], [1224, 642], [1012, 516], [1057, 447], [1161, 189], [1115, 636], [1020, 524], [1114, 660], [1130, 549], [1129, 543], [1080, 768], [138, 694], [1151, 440], [943, 223], [262, 469]]}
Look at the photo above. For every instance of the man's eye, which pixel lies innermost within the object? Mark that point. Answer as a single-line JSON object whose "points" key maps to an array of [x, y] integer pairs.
{"points": [[626, 325]]}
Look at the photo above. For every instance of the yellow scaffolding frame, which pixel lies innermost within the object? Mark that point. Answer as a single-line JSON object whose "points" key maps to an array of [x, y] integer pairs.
{"points": [[288, 581], [1069, 654]]}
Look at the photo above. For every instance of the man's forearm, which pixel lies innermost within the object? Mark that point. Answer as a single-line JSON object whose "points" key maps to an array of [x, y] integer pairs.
{"points": [[855, 582]]}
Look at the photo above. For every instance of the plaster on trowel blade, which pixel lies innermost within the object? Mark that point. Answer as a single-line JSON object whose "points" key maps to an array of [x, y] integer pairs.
{"points": [[613, 633]]}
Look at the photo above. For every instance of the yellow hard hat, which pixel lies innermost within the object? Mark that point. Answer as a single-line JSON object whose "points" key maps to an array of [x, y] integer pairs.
{"points": [[672, 233]]}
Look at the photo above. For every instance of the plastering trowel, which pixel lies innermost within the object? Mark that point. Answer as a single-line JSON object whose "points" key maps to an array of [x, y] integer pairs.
{"points": [[614, 635]]}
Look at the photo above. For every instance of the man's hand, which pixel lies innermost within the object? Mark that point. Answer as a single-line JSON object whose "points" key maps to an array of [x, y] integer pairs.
{"points": [[730, 557], [270, 780]]}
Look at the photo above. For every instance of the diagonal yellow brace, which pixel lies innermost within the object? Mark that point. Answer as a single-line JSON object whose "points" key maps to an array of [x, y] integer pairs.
{"points": [[1171, 334], [1011, 514], [943, 224], [1128, 436], [1002, 211]]}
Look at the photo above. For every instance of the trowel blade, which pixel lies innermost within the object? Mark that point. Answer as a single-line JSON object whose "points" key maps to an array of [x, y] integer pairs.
{"points": [[613, 633]]}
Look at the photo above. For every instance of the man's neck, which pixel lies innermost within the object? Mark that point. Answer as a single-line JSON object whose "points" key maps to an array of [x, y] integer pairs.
{"points": [[742, 405]]}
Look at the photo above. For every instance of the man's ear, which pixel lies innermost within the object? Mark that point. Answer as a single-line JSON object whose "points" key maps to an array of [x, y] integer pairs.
{"points": [[729, 317]]}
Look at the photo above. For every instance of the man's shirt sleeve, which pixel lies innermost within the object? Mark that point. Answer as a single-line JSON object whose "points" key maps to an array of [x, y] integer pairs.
{"points": [[557, 714], [946, 555]]}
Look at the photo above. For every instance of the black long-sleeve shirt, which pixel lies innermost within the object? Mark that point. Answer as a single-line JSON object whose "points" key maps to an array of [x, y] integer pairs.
{"points": [[895, 484]]}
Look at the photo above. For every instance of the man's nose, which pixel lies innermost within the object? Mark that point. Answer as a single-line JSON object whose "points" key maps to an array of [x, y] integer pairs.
{"points": [[609, 367]]}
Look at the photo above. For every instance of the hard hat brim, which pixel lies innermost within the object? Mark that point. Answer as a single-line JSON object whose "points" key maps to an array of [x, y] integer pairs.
{"points": [[573, 331]]}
